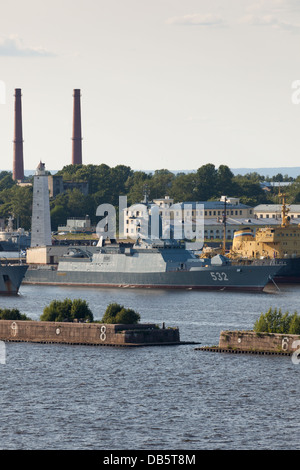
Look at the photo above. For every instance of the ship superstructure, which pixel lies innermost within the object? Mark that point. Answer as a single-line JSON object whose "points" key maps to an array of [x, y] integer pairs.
{"points": [[281, 242]]}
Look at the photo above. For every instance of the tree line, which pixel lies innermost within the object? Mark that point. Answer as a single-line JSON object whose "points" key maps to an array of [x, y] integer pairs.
{"points": [[106, 184]]}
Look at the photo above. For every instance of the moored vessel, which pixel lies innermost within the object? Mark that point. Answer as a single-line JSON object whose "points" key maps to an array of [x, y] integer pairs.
{"points": [[165, 264], [280, 243], [11, 277]]}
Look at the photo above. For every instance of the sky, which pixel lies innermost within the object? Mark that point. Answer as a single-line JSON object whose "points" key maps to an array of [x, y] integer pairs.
{"points": [[167, 84]]}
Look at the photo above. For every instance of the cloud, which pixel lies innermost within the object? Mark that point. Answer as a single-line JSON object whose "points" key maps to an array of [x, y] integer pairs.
{"points": [[12, 46], [271, 22], [196, 20]]}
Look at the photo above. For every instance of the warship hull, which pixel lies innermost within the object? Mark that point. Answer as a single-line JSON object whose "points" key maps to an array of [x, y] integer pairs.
{"points": [[165, 269], [290, 271], [11, 277]]}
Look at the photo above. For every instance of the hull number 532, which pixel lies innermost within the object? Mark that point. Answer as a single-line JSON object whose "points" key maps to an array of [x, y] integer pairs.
{"points": [[219, 276]]}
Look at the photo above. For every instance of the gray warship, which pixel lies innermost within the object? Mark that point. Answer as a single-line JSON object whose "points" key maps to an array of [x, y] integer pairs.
{"points": [[150, 264], [11, 276]]}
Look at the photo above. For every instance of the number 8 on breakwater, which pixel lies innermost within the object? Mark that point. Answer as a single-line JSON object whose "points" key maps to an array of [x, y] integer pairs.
{"points": [[103, 333]]}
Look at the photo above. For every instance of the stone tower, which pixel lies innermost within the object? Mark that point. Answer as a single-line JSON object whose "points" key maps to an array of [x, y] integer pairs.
{"points": [[40, 224]]}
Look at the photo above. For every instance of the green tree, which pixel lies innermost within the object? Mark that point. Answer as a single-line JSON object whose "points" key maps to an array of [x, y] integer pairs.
{"points": [[206, 187], [294, 326], [183, 187], [12, 314], [17, 201], [160, 183], [116, 313], [81, 311], [6, 180], [67, 310], [225, 184], [274, 321], [136, 185]]}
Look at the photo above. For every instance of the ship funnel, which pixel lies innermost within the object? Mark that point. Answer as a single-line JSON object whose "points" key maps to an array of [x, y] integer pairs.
{"points": [[241, 236]]}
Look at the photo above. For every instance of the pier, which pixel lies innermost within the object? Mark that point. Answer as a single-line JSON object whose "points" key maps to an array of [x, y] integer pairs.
{"points": [[251, 342], [96, 334]]}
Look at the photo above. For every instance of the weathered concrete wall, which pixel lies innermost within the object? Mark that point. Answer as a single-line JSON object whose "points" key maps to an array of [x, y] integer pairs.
{"points": [[252, 341], [86, 333]]}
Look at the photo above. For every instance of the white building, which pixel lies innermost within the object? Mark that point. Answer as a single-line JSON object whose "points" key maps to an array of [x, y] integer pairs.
{"points": [[273, 211], [193, 219]]}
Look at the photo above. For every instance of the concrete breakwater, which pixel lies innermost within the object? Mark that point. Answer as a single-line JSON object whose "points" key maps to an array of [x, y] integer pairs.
{"points": [[87, 333], [254, 342]]}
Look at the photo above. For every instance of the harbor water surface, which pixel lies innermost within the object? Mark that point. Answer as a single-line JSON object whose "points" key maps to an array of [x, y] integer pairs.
{"points": [[151, 398]]}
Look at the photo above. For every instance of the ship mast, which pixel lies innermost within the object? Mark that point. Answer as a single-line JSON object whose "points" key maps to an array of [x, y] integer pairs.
{"points": [[224, 226], [285, 220]]}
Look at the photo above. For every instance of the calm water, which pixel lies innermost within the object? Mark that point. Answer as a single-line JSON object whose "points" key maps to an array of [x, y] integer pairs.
{"points": [[163, 398]]}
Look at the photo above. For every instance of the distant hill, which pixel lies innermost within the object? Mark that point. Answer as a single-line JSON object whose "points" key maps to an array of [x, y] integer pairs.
{"points": [[285, 170]]}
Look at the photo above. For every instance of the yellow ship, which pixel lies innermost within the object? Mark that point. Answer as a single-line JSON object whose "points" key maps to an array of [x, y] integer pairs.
{"points": [[281, 242]]}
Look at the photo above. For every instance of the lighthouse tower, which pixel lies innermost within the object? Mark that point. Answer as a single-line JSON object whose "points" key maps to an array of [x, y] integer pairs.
{"points": [[40, 223]]}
